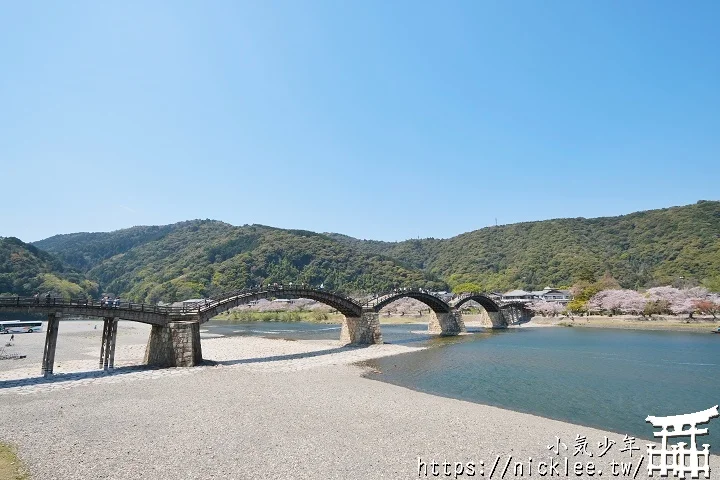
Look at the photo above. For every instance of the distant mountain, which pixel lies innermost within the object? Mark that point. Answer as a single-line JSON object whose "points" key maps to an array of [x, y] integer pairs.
{"points": [[655, 247], [26, 270], [203, 257], [85, 250]]}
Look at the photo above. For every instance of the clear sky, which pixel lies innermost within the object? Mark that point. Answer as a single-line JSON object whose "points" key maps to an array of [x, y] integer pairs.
{"points": [[384, 120]]}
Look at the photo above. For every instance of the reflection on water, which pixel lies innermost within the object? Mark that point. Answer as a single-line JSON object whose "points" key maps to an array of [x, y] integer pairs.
{"points": [[610, 379]]}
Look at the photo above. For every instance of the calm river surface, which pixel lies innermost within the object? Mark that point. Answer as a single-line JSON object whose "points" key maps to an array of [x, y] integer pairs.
{"points": [[610, 379]]}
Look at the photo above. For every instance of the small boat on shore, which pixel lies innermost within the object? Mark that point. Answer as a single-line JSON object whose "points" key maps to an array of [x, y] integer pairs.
{"points": [[717, 330]]}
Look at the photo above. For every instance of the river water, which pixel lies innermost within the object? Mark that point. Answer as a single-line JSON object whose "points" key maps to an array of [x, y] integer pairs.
{"points": [[605, 378]]}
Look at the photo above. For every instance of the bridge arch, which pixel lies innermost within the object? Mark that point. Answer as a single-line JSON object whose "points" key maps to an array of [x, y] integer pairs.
{"points": [[493, 315], [445, 321], [345, 305], [487, 303], [436, 304]]}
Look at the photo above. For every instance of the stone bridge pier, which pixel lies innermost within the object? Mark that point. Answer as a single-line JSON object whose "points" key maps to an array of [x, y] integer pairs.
{"points": [[362, 330], [176, 344], [516, 314], [446, 324], [497, 319]]}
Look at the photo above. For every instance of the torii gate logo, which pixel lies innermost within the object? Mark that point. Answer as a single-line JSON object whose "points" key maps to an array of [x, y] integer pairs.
{"points": [[678, 460]]}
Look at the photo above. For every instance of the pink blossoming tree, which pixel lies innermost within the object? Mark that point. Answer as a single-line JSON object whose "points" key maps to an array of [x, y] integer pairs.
{"points": [[677, 301], [618, 301], [546, 308]]}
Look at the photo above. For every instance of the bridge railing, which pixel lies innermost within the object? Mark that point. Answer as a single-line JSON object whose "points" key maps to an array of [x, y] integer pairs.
{"points": [[197, 307], [295, 288], [381, 298], [463, 295], [48, 302], [187, 308]]}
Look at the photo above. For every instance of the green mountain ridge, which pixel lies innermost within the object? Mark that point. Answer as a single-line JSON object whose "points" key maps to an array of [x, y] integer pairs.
{"points": [[201, 258], [83, 250], [27, 270], [641, 249]]}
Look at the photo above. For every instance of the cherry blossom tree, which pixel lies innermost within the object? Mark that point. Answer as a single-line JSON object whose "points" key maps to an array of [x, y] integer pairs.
{"points": [[668, 296], [697, 292], [595, 304], [608, 300], [677, 301], [656, 300], [618, 301], [686, 306], [633, 302], [546, 308]]}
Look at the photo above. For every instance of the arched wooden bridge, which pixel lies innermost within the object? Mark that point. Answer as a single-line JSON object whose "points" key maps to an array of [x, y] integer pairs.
{"points": [[175, 335]]}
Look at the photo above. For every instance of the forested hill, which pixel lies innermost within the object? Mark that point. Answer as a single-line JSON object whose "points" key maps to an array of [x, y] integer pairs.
{"points": [[654, 247], [85, 250], [202, 257], [26, 270]]}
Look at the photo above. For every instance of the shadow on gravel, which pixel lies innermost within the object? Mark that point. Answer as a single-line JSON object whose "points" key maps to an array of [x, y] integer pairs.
{"points": [[293, 356], [69, 377]]}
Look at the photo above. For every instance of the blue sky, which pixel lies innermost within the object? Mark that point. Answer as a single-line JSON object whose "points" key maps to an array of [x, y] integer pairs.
{"points": [[383, 120]]}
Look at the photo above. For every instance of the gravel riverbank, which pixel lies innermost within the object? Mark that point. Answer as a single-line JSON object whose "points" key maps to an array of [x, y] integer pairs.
{"points": [[267, 409]]}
